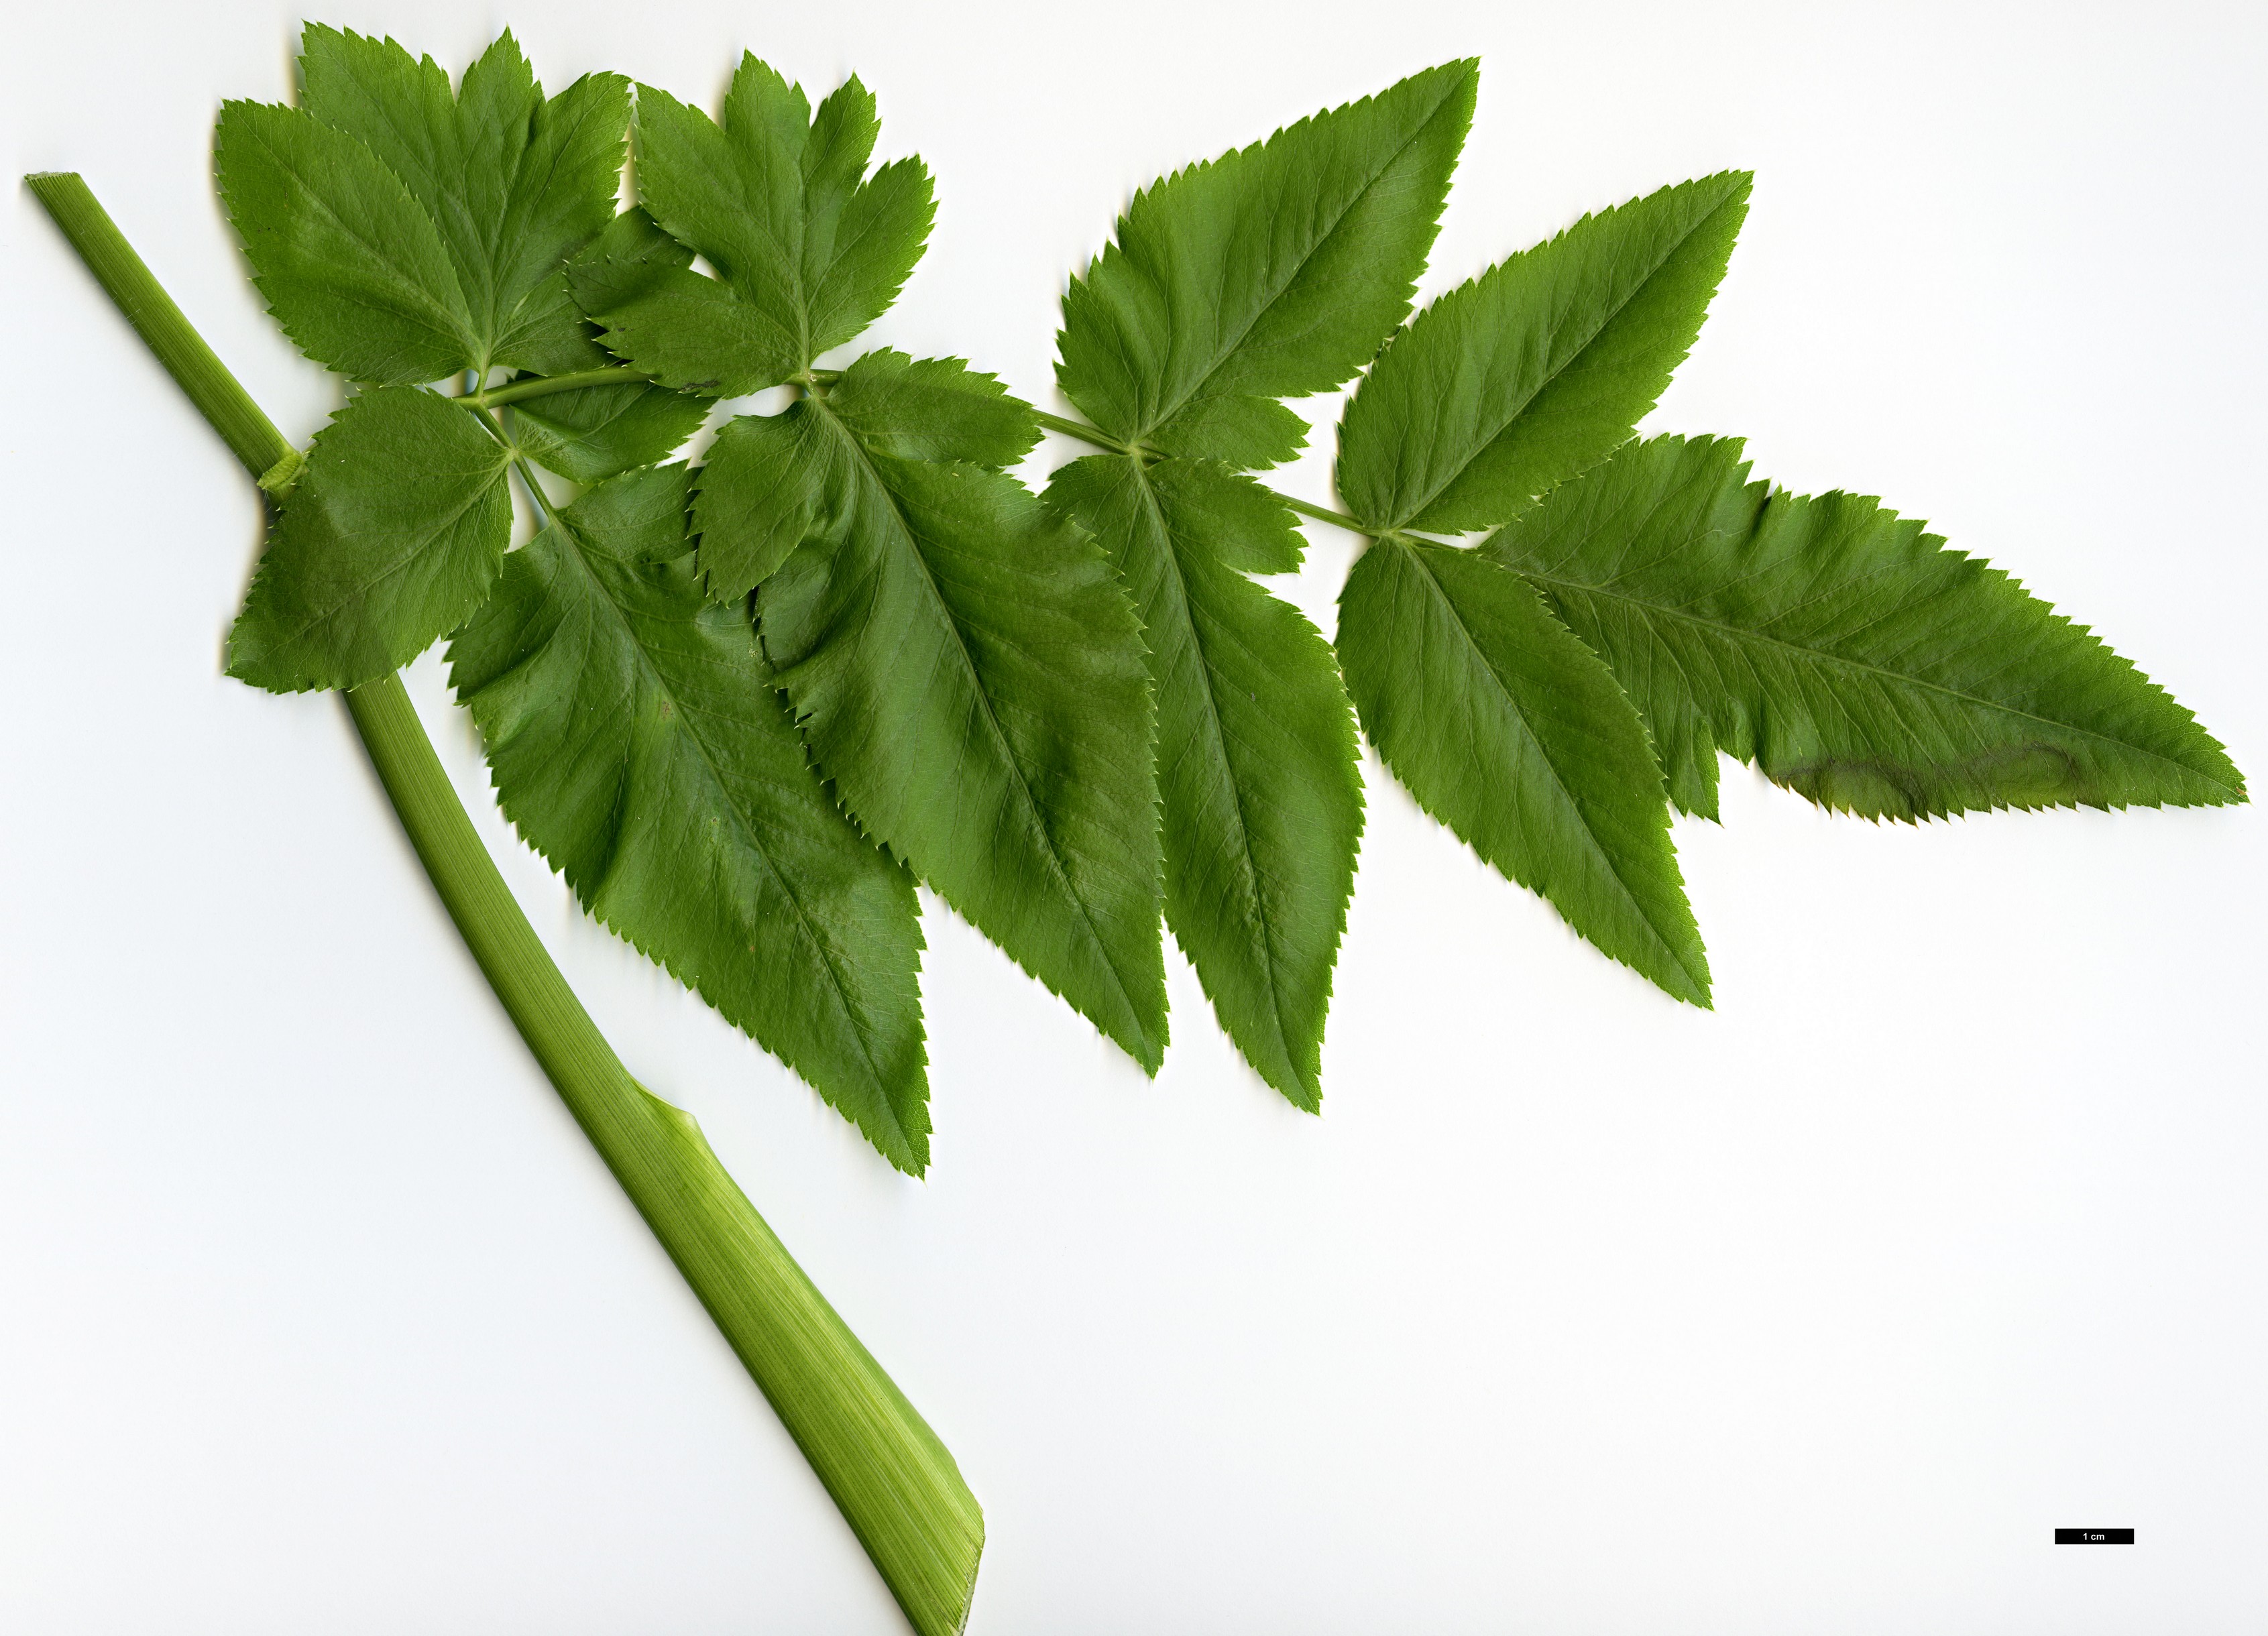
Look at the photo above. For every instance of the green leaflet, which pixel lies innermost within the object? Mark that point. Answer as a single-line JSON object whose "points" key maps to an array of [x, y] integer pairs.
{"points": [[1274, 271], [595, 432], [969, 677], [1256, 760], [689, 333], [512, 182], [391, 535], [932, 409], [808, 252], [630, 257], [1511, 732], [636, 283], [351, 265], [402, 235], [639, 743], [1539, 367], [764, 485], [760, 494], [1844, 650]]}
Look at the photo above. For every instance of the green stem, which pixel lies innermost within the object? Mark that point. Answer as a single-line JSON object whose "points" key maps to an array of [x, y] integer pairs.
{"points": [[894, 1481], [892, 1477], [1099, 439], [544, 386], [250, 434]]}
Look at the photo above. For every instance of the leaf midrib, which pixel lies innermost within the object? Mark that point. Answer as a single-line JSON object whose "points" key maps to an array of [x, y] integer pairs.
{"points": [[1416, 555], [1265, 926], [1224, 353], [1738, 634], [742, 822], [1031, 806]]}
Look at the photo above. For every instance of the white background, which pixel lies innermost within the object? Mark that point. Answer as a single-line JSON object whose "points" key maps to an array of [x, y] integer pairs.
{"points": [[1577, 1311]]}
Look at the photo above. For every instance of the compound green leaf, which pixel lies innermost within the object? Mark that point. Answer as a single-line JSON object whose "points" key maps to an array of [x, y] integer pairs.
{"points": [[591, 433], [513, 182], [638, 743], [1256, 760], [810, 249], [391, 534], [1510, 730], [1274, 271], [1844, 650], [349, 263], [1539, 367], [969, 677]]}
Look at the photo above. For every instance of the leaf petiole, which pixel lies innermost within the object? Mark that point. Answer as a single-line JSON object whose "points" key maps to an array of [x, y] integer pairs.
{"points": [[1092, 435], [535, 494], [544, 386], [1338, 520], [1086, 433]]}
